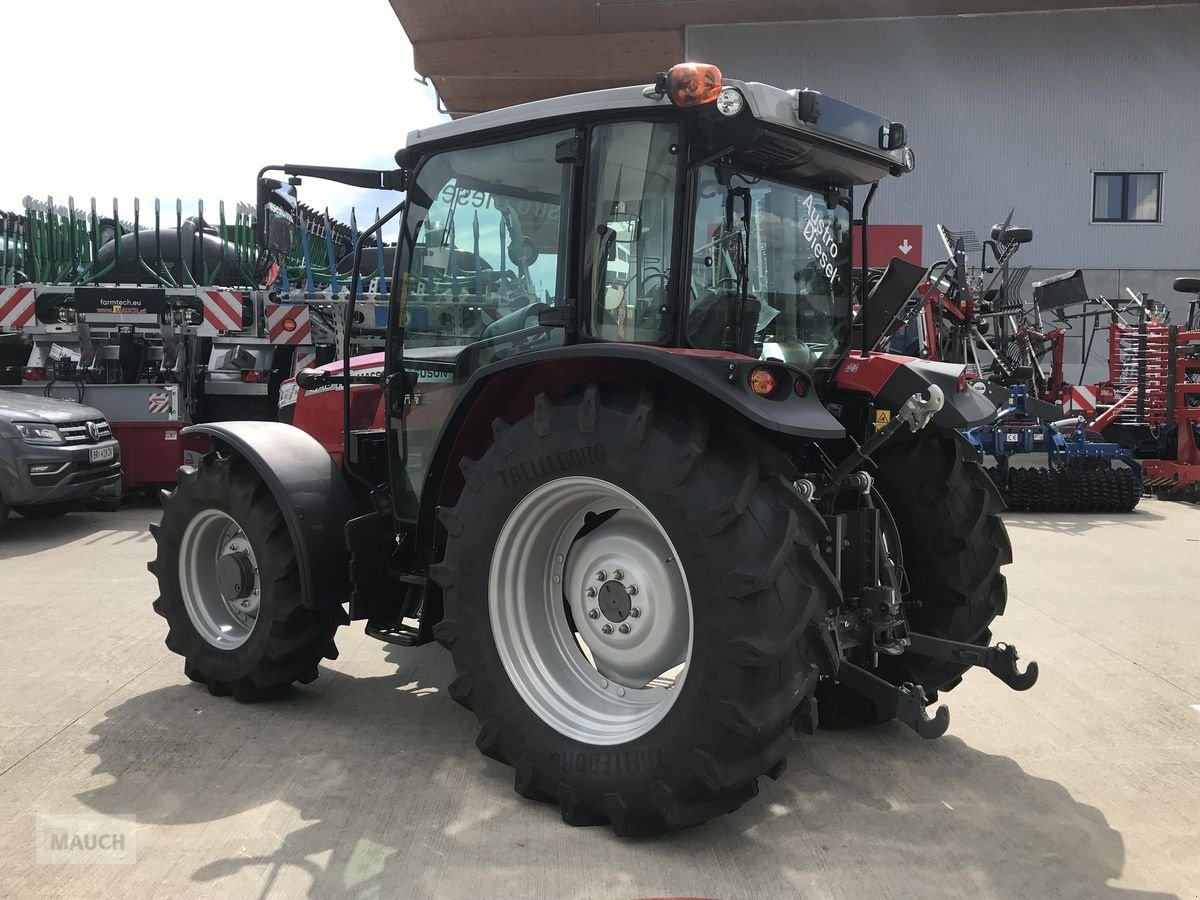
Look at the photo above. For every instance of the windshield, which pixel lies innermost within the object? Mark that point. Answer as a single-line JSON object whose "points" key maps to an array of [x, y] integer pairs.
{"points": [[770, 272]]}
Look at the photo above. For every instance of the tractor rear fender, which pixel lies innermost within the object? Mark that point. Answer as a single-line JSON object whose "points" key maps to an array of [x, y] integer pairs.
{"points": [[892, 379], [507, 391], [311, 493]]}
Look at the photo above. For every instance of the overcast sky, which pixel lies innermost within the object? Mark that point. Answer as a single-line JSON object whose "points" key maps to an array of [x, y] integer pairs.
{"points": [[150, 98]]}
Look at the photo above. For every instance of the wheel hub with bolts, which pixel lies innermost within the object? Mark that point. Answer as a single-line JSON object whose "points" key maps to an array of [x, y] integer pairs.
{"points": [[235, 574], [622, 559], [615, 602], [218, 577]]}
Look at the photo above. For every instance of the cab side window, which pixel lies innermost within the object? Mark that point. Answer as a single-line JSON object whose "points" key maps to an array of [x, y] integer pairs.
{"points": [[633, 181], [488, 227]]}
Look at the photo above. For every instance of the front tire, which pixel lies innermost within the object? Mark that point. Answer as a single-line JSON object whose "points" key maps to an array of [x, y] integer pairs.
{"points": [[731, 577], [229, 585]]}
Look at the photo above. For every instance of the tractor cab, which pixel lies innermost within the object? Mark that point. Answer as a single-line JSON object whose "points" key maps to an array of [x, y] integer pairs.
{"points": [[698, 216]]}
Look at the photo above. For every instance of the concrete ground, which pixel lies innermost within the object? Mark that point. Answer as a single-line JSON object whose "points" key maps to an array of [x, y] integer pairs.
{"points": [[367, 784]]}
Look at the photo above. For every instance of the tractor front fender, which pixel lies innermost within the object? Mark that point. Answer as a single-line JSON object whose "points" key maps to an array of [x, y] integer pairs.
{"points": [[311, 493], [507, 390]]}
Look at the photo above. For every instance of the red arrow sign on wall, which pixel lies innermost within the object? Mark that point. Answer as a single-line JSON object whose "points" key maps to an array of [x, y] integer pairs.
{"points": [[888, 241]]}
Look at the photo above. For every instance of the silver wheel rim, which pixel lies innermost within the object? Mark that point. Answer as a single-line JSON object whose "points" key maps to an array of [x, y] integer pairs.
{"points": [[617, 674], [222, 607]]}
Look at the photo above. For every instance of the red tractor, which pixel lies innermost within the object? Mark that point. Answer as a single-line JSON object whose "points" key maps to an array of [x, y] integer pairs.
{"points": [[619, 457]]}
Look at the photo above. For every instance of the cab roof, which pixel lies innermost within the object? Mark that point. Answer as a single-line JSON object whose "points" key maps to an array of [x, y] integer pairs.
{"points": [[840, 128]]}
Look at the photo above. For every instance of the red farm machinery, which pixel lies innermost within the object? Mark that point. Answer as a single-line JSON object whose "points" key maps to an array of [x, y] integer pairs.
{"points": [[1150, 401], [975, 315]]}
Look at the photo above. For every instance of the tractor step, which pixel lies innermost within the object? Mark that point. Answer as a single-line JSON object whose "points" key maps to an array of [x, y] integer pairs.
{"points": [[906, 701], [1000, 660], [398, 633]]}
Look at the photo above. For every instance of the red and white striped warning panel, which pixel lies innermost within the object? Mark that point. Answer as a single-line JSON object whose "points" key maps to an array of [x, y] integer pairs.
{"points": [[16, 306], [222, 312], [304, 359], [158, 403], [1083, 399], [287, 323]]}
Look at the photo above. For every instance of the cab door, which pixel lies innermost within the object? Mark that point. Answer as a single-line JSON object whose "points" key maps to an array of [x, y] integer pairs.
{"points": [[487, 248]]}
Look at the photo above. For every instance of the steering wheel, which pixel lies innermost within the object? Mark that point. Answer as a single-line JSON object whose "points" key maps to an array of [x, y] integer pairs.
{"points": [[652, 281]]}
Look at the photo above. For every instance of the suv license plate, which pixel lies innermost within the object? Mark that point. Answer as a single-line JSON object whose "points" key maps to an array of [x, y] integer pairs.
{"points": [[99, 454]]}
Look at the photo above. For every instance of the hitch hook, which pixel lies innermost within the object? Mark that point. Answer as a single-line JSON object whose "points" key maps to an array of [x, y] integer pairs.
{"points": [[1003, 665], [907, 701], [1000, 660], [910, 709]]}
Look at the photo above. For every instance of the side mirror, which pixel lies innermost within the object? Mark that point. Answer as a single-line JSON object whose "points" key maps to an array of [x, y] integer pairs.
{"points": [[893, 137], [278, 211]]}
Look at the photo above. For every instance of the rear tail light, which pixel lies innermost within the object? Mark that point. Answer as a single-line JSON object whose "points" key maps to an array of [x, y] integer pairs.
{"points": [[33, 373], [763, 382], [249, 376], [801, 387]]}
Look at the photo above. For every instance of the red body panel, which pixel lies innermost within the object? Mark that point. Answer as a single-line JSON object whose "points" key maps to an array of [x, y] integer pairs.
{"points": [[319, 412], [868, 374]]}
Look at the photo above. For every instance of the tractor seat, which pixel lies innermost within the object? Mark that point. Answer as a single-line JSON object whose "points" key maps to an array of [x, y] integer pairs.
{"points": [[1187, 285]]}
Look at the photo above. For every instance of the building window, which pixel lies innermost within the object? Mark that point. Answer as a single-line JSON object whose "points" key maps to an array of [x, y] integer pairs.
{"points": [[1127, 197]]}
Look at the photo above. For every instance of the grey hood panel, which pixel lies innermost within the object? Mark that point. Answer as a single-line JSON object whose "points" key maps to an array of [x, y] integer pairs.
{"points": [[16, 407]]}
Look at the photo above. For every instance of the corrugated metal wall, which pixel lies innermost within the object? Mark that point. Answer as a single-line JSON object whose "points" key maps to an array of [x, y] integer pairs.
{"points": [[1014, 110]]}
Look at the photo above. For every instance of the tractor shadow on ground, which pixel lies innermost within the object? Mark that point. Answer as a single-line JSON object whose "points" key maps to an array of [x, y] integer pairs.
{"points": [[392, 794]]}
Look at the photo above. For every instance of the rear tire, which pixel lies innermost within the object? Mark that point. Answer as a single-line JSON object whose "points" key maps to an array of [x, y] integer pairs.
{"points": [[746, 547], [947, 513], [254, 647], [47, 510]]}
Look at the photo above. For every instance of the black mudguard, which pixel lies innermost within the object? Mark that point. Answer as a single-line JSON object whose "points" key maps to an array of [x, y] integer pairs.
{"points": [[312, 495], [721, 377]]}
